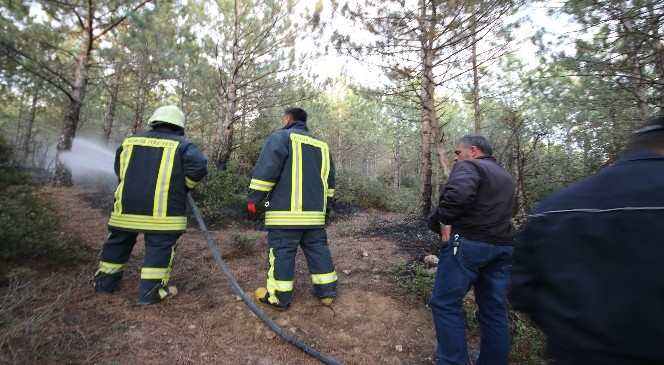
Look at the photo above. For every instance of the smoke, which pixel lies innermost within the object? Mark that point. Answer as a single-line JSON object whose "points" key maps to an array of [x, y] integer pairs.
{"points": [[90, 162]]}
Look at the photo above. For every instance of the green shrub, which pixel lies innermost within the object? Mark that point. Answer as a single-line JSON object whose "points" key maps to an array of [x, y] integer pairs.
{"points": [[416, 279], [366, 192], [29, 225], [355, 189], [404, 200], [5, 152], [528, 342], [245, 242], [222, 196]]}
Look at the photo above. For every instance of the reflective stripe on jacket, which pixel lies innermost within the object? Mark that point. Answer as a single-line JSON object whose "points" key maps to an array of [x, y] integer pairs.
{"points": [[296, 174], [155, 170]]}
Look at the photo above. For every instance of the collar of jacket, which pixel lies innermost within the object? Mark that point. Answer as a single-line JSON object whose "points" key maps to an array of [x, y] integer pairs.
{"points": [[298, 124], [490, 158], [640, 155], [166, 130]]}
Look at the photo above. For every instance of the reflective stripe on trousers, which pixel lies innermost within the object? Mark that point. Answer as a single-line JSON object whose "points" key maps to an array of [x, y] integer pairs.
{"points": [[283, 249]]}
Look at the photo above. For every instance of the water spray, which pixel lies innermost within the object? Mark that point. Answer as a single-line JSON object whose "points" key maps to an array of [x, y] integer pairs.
{"points": [[89, 159]]}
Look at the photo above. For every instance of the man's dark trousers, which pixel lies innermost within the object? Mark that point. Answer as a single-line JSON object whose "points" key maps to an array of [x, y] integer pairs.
{"points": [[283, 244], [486, 267]]}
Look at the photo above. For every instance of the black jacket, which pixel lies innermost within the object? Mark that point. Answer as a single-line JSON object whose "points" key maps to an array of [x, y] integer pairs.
{"points": [[295, 174], [477, 202], [589, 266], [155, 169]]}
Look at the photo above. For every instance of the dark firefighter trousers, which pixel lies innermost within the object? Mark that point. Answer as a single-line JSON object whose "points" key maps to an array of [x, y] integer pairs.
{"points": [[283, 244], [157, 262]]}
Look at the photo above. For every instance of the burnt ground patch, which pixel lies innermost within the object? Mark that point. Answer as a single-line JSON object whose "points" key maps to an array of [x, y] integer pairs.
{"points": [[410, 233], [98, 196]]}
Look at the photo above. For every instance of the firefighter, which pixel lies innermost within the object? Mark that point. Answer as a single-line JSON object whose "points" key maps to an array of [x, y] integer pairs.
{"points": [[155, 171], [294, 175]]}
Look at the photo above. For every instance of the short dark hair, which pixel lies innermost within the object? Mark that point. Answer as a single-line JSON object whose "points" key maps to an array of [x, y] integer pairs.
{"points": [[478, 141], [297, 113], [649, 136], [169, 126]]}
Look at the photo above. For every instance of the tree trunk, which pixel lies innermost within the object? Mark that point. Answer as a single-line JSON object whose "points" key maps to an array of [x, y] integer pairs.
{"points": [[27, 136], [476, 87], [396, 183], [659, 54], [225, 147], [19, 122], [227, 128], [639, 92], [427, 101], [637, 72], [439, 137], [139, 107], [110, 110], [73, 111], [341, 159], [425, 162], [522, 202]]}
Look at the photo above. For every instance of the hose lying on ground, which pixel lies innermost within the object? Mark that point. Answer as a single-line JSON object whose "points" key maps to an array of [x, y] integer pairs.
{"points": [[324, 358]]}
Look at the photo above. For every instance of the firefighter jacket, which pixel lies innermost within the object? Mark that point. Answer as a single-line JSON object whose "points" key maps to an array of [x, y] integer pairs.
{"points": [[155, 170], [295, 175]]}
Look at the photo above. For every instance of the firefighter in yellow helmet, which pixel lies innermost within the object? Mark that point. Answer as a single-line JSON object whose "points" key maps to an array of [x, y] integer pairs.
{"points": [[155, 171], [295, 176]]}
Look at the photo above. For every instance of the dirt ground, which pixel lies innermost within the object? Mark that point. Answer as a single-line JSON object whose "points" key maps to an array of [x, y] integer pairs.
{"points": [[372, 321]]}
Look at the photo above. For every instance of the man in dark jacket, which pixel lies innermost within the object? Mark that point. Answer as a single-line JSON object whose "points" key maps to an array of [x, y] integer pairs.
{"points": [[155, 171], [588, 268], [477, 202], [295, 176]]}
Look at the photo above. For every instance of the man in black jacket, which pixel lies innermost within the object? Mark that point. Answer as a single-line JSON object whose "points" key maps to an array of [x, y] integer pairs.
{"points": [[155, 171], [477, 202], [588, 268]]}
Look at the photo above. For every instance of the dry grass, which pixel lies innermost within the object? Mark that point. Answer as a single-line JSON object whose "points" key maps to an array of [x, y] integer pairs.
{"points": [[56, 317], [27, 331]]}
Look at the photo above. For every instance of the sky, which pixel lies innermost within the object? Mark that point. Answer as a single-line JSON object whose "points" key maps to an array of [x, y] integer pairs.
{"points": [[531, 18], [331, 65]]}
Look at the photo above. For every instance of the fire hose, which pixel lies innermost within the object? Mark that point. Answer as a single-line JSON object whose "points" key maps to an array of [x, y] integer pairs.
{"points": [[237, 289]]}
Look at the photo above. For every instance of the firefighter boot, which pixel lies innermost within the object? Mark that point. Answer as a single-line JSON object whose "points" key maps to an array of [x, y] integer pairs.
{"points": [[263, 296], [157, 294], [107, 283]]}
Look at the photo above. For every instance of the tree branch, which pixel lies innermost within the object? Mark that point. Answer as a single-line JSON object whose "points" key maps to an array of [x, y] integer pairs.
{"points": [[115, 23]]}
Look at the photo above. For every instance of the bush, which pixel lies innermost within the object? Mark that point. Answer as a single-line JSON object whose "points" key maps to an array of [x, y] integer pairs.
{"points": [[416, 279], [365, 192], [244, 242], [28, 223], [358, 190], [5, 152], [222, 196]]}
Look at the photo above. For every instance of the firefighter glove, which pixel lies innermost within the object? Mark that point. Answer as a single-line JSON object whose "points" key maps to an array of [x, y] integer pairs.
{"points": [[251, 210]]}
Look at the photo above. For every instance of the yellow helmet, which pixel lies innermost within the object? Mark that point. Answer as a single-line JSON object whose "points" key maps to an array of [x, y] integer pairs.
{"points": [[170, 114]]}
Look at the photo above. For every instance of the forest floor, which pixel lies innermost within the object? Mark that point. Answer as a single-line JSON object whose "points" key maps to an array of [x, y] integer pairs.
{"points": [[373, 321]]}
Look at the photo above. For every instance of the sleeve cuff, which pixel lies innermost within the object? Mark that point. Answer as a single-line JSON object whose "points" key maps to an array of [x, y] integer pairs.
{"points": [[190, 183], [261, 185]]}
